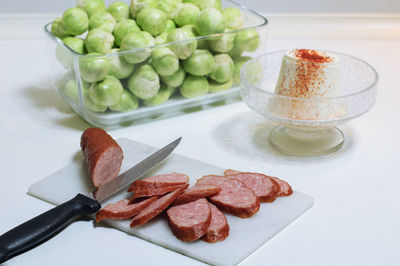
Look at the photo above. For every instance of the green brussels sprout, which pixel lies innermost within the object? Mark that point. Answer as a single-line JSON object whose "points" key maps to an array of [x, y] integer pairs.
{"points": [[223, 43], [119, 10], [168, 6], [216, 87], [93, 67], [203, 4], [176, 79], [99, 41], [102, 20], [148, 37], [233, 17], [235, 52], [182, 49], [75, 21], [107, 91], [170, 25], [209, 21], [152, 20], [194, 86], [75, 43], [223, 69], [138, 5], [127, 102], [135, 40], [91, 6], [119, 67], [186, 14], [91, 105], [161, 97], [58, 29], [201, 43], [71, 90], [164, 61], [200, 63], [247, 40], [161, 39], [144, 82], [123, 28], [239, 61]]}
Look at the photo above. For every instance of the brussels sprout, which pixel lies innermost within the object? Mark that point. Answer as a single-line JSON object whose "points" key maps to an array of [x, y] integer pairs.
{"points": [[235, 51], [176, 79], [182, 49], [200, 63], [138, 5], [233, 17], [123, 28], [148, 37], [134, 40], [152, 20], [170, 25], [209, 21], [107, 91], [223, 43], [91, 105], [144, 82], [161, 39], [161, 97], [119, 10], [127, 102], [194, 86], [99, 41], [75, 43], [91, 6], [102, 20], [58, 29], [216, 87], [239, 61], [201, 43], [164, 61], [247, 40], [94, 68], [203, 4], [186, 14], [223, 69], [168, 6], [119, 67], [71, 90], [75, 21]]}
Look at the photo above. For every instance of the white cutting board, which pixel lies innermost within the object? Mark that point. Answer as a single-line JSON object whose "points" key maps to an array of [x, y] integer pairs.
{"points": [[245, 236]]}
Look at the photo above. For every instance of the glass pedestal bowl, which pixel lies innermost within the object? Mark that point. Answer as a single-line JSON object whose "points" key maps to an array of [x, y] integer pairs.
{"points": [[307, 126]]}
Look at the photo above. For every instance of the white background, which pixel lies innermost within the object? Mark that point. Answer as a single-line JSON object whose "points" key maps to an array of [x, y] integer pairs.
{"points": [[281, 6]]}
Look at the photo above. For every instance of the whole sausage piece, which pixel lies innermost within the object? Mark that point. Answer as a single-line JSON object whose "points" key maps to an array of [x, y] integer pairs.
{"points": [[219, 228], [264, 187], [190, 221], [197, 192], [103, 155], [158, 181], [235, 197], [123, 210], [156, 207]]}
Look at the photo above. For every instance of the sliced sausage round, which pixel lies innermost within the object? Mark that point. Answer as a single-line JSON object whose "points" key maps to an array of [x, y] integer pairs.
{"points": [[158, 181], [219, 228], [197, 192]]}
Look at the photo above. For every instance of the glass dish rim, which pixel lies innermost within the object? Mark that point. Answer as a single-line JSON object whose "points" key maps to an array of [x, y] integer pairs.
{"points": [[314, 99], [263, 24]]}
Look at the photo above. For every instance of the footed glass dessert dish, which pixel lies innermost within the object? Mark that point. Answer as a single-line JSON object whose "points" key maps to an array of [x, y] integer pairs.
{"points": [[308, 98]]}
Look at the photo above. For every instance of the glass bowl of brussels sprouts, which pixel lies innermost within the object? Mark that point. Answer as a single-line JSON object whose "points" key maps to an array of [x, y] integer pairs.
{"points": [[128, 62]]}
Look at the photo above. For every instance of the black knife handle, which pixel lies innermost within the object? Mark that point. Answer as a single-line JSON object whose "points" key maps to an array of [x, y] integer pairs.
{"points": [[44, 226]]}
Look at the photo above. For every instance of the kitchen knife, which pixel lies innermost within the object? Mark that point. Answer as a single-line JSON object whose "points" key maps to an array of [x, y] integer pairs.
{"points": [[45, 225]]}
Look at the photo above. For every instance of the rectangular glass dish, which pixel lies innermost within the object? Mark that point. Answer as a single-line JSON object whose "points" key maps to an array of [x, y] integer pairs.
{"points": [[73, 82]]}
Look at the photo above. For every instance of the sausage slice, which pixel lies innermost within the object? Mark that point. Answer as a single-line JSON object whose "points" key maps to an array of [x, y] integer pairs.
{"points": [[158, 181], [219, 228], [190, 221], [153, 192], [235, 197], [156, 207], [103, 155], [197, 192]]}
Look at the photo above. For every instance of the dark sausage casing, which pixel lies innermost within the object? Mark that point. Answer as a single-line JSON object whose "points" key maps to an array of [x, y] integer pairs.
{"points": [[103, 155]]}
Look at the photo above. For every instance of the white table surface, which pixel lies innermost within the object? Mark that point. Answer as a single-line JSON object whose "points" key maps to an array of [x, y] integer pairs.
{"points": [[356, 216]]}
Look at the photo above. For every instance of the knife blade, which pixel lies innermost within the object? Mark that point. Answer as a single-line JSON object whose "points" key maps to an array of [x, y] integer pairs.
{"points": [[47, 224]]}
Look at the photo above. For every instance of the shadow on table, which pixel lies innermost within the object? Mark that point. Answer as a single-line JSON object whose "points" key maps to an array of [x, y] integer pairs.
{"points": [[247, 135], [49, 103]]}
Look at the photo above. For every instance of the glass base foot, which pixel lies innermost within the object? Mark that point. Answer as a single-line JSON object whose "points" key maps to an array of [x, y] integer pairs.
{"points": [[306, 142]]}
